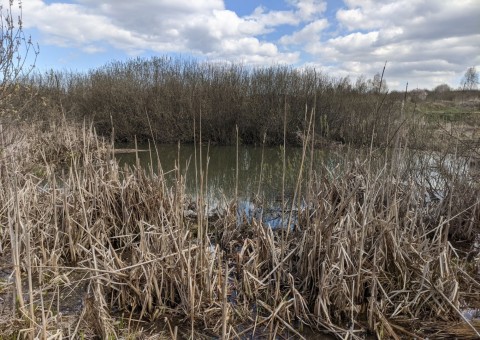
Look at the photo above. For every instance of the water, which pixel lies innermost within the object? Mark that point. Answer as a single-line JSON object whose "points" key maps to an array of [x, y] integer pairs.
{"points": [[260, 174], [219, 166]]}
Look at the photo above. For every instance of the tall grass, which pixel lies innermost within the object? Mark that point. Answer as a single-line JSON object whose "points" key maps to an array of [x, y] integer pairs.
{"points": [[374, 250]]}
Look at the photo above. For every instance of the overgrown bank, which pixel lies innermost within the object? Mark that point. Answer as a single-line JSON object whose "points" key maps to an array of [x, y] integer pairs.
{"points": [[374, 250], [165, 98]]}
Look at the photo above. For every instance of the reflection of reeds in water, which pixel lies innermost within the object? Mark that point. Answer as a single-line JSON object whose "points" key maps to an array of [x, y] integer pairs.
{"points": [[369, 252]]}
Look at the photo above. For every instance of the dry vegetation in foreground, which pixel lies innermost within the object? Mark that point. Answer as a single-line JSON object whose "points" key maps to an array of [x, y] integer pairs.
{"points": [[90, 250]]}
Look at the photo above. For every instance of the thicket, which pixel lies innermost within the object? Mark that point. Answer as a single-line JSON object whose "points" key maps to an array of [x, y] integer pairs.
{"points": [[167, 97]]}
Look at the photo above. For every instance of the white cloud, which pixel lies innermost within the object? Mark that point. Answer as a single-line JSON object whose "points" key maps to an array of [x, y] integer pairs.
{"points": [[352, 42], [423, 40], [356, 19], [251, 51], [203, 27], [304, 11], [419, 18], [374, 14], [307, 34], [309, 9], [269, 19], [70, 25]]}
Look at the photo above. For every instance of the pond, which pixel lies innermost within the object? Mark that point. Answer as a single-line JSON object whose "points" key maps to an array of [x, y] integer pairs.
{"points": [[255, 180], [259, 170]]}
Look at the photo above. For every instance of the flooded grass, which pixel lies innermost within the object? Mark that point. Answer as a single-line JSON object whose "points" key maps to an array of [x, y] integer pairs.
{"points": [[92, 249]]}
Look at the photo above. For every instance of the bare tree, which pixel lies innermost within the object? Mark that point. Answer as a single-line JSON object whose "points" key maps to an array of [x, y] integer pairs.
{"points": [[361, 84], [18, 53], [470, 79]]}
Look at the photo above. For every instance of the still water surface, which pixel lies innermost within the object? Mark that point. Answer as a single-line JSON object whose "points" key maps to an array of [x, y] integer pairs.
{"points": [[260, 171]]}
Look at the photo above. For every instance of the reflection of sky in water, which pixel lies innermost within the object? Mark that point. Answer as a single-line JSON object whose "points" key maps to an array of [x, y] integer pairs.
{"points": [[434, 172]]}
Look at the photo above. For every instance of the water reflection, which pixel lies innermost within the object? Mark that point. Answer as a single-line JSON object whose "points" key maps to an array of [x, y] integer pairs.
{"points": [[260, 174], [219, 167]]}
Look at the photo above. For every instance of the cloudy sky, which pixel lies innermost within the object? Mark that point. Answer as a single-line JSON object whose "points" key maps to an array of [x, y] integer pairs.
{"points": [[426, 42]]}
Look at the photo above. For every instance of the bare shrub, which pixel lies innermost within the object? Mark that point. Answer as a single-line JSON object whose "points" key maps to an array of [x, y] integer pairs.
{"points": [[169, 94]]}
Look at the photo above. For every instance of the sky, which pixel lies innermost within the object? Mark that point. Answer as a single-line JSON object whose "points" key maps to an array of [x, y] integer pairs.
{"points": [[424, 42]]}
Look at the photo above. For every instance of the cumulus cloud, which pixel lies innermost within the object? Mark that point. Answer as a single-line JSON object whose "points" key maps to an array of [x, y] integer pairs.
{"points": [[306, 34], [202, 27], [269, 19], [423, 40], [71, 25], [309, 9]]}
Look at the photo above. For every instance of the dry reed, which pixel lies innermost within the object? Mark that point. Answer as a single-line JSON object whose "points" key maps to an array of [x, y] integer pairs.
{"points": [[369, 252]]}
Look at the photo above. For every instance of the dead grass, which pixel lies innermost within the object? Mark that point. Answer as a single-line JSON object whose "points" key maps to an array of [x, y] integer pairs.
{"points": [[371, 251]]}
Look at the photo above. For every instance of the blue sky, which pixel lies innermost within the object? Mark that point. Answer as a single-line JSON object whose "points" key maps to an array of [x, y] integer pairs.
{"points": [[426, 42]]}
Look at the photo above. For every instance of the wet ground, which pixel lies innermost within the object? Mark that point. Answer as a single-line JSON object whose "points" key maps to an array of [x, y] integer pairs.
{"points": [[65, 294]]}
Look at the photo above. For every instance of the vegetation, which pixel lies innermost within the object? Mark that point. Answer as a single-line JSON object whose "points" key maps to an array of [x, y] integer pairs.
{"points": [[377, 249], [166, 98], [383, 244], [17, 54], [167, 95], [470, 79]]}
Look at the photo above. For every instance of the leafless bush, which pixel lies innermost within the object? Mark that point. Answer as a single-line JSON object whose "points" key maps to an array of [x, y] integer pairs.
{"points": [[169, 94]]}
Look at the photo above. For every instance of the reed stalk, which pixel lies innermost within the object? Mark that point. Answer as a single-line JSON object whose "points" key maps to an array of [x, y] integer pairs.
{"points": [[372, 252]]}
